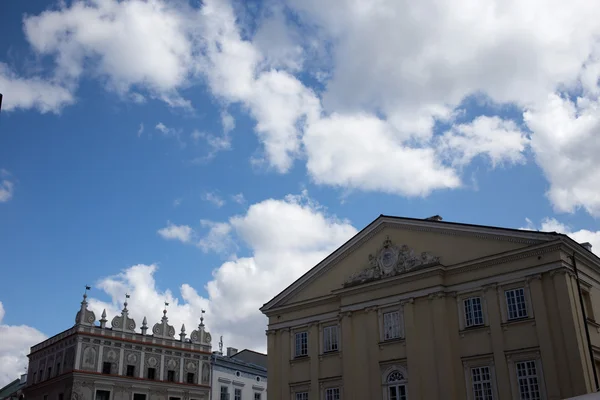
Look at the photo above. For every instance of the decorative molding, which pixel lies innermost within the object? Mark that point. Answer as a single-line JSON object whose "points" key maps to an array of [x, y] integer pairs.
{"points": [[391, 260]]}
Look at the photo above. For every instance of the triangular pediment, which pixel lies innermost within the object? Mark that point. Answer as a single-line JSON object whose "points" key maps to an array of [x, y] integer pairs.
{"points": [[391, 246]]}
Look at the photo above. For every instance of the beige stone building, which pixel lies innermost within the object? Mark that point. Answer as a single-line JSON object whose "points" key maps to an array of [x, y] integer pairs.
{"points": [[425, 309]]}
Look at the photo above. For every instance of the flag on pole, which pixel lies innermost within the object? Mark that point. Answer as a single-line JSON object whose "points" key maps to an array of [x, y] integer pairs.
{"points": [[126, 296], [87, 287]]}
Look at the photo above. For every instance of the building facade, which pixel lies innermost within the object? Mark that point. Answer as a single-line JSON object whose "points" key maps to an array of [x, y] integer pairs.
{"points": [[94, 362], [239, 376], [425, 309]]}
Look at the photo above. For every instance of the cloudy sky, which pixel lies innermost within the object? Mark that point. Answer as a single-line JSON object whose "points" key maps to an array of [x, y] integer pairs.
{"points": [[207, 153]]}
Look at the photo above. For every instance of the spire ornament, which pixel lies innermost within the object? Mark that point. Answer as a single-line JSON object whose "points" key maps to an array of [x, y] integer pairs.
{"points": [[182, 334], [85, 316], [163, 329], [103, 319], [144, 327], [123, 323], [200, 335]]}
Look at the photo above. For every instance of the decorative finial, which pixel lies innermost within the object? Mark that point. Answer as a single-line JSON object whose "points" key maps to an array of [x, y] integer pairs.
{"points": [[85, 293], [103, 320], [221, 346], [182, 334], [125, 303], [202, 317], [104, 313], [165, 311], [144, 327]]}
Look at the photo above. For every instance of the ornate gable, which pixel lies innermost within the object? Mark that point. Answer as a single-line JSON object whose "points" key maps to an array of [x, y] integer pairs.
{"points": [[391, 260]]}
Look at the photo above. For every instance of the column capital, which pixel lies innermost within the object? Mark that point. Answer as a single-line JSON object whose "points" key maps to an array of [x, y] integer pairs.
{"points": [[490, 286]]}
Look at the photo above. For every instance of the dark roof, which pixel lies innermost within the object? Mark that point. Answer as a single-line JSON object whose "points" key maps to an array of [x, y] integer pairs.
{"points": [[11, 388], [252, 357]]}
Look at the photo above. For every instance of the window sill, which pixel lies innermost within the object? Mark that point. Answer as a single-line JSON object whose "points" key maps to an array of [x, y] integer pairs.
{"points": [[517, 321], [392, 341], [329, 354], [299, 359], [474, 329]]}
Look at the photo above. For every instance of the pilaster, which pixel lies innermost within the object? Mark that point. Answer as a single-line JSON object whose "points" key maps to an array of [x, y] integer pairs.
{"points": [[493, 295], [412, 350], [542, 327]]}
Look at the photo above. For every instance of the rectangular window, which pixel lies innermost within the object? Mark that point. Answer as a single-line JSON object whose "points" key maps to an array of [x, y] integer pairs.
{"points": [[587, 305], [237, 394], [106, 368], [397, 392], [473, 312], [302, 396], [330, 338], [528, 380], [174, 398], [301, 344], [224, 393], [391, 325], [190, 377], [45, 397], [139, 396], [171, 375], [130, 370], [57, 369], [515, 303], [41, 375], [482, 383], [49, 372], [61, 396], [332, 394], [151, 373], [257, 396], [102, 395]]}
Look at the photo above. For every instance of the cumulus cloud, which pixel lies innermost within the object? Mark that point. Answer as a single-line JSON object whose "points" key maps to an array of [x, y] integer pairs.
{"points": [[580, 236], [566, 146], [183, 233], [500, 140], [396, 68], [285, 238], [15, 345], [7, 186], [214, 198], [32, 92], [218, 238]]}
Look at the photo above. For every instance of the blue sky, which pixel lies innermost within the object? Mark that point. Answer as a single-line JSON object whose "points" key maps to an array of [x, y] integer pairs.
{"points": [[210, 153]]}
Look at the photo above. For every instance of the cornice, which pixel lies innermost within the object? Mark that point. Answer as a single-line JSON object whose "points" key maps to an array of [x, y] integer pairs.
{"points": [[384, 222]]}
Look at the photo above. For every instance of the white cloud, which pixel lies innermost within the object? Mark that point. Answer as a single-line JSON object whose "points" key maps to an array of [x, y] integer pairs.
{"points": [[218, 238], [114, 34], [395, 67], [341, 153], [227, 121], [24, 93], [285, 238], [500, 140], [7, 186], [580, 236], [14, 347], [140, 130], [214, 198], [183, 233], [239, 198], [566, 145]]}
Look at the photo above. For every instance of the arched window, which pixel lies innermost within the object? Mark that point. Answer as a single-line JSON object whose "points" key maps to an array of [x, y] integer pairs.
{"points": [[396, 386]]}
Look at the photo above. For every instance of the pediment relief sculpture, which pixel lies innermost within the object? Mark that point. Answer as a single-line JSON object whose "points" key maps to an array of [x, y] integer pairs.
{"points": [[391, 260]]}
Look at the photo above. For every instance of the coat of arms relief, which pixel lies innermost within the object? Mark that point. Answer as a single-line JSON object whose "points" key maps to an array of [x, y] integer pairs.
{"points": [[389, 261]]}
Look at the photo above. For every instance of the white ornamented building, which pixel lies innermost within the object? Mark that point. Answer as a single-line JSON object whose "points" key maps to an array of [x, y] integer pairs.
{"points": [[239, 376], [95, 362]]}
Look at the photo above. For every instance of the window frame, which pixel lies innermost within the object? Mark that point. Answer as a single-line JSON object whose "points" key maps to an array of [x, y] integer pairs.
{"points": [[257, 396], [127, 368], [386, 310], [525, 309], [476, 322], [237, 394], [528, 378], [102, 390], [171, 373], [192, 375], [333, 342], [301, 395], [104, 364], [513, 359], [224, 392], [296, 335], [471, 363], [153, 373], [482, 383], [333, 388], [139, 394]]}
